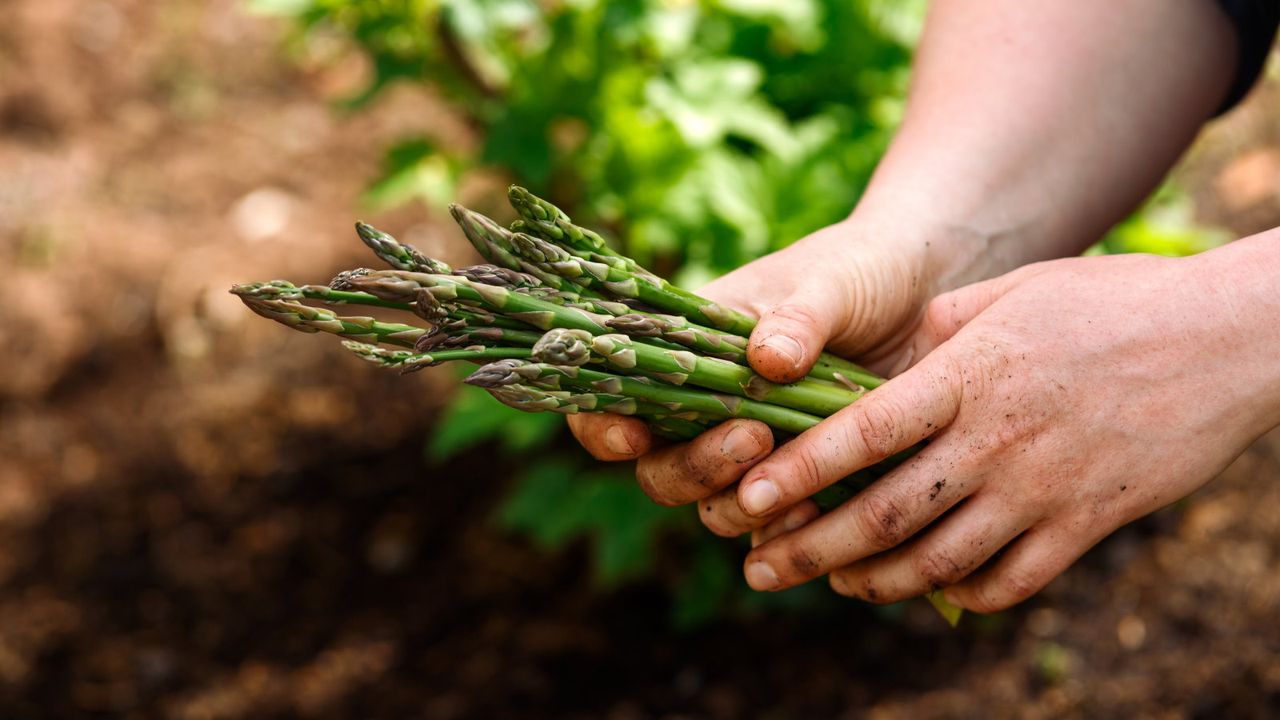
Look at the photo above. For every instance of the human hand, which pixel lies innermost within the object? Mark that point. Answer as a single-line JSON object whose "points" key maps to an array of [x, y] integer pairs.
{"points": [[847, 287], [1061, 401]]}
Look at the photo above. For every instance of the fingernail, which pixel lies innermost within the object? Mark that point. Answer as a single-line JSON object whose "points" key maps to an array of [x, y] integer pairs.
{"points": [[615, 438], [740, 445], [787, 347], [794, 521], [759, 497], [762, 577]]}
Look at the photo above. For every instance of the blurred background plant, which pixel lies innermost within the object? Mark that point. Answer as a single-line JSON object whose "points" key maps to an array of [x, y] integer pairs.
{"points": [[698, 134]]}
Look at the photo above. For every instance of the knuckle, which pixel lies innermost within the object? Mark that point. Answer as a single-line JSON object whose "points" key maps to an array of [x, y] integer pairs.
{"points": [[874, 428], [646, 474], [880, 521], [808, 469], [803, 560], [940, 314], [695, 470], [859, 585], [840, 585], [795, 313], [1018, 585], [714, 521], [939, 567], [1004, 591]]}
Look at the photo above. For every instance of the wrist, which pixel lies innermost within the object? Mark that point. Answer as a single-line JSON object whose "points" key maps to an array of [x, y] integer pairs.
{"points": [[947, 245], [1240, 285]]}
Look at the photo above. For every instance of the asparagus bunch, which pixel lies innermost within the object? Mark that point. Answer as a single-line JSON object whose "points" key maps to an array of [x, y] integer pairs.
{"points": [[555, 295], [558, 321]]}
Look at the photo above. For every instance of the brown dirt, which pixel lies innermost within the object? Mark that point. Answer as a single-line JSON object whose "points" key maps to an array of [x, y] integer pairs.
{"points": [[195, 522]]}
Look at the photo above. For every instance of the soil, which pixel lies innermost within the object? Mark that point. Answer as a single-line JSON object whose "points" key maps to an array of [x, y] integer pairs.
{"points": [[202, 517]]}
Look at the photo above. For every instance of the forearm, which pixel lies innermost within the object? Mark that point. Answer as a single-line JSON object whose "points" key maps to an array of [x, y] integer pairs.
{"points": [[1035, 125]]}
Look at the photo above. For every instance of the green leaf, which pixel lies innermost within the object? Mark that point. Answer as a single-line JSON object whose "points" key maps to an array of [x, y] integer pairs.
{"points": [[415, 170], [556, 502], [949, 612]]}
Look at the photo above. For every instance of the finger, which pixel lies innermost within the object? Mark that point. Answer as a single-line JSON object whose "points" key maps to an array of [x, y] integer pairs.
{"points": [[943, 556], [790, 336], [609, 437], [721, 515], [715, 459], [796, 517], [1040, 555], [885, 514], [888, 420]]}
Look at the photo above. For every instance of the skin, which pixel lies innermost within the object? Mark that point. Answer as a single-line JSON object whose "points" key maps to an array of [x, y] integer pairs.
{"points": [[1057, 396]]}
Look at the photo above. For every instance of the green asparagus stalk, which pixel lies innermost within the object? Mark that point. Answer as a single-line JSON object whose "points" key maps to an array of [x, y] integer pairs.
{"points": [[574, 347], [466, 336], [408, 361], [493, 242], [396, 254], [548, 221], [529, 285], [530, 398], [400, 286], [305, 318], [675, 428], [676, 400], [674, 328], [284, 290]]}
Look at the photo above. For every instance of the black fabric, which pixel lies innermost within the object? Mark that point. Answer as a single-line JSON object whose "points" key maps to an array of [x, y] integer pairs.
{"points": [[1256, 22]]}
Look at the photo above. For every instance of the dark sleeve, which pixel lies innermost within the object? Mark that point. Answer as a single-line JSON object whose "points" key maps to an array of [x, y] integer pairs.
{"points": [[1255, 22]]}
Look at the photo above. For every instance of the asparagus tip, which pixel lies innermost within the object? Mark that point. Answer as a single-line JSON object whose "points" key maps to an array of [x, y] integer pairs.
{"points": [[495, 374]]}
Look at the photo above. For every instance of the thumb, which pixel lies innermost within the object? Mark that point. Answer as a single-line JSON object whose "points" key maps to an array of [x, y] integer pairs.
{"points": [[789, 337]]}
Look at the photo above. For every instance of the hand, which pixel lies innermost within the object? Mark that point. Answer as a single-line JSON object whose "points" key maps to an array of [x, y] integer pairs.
{"points": [[1061, 401], [846, 287]]}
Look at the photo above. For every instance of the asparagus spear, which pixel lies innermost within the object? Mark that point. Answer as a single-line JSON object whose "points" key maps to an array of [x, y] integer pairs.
{"points": [[400, 286], [305, 318], [411, 361], [284, 290], [564, 346], [396, 254], [676, 400], [531, 398], [493, 242], [466, 336], [551, 222]]}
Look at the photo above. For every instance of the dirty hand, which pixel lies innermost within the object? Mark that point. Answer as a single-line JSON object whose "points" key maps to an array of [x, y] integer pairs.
{"points": [[850, 288], [1061, 401]]}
